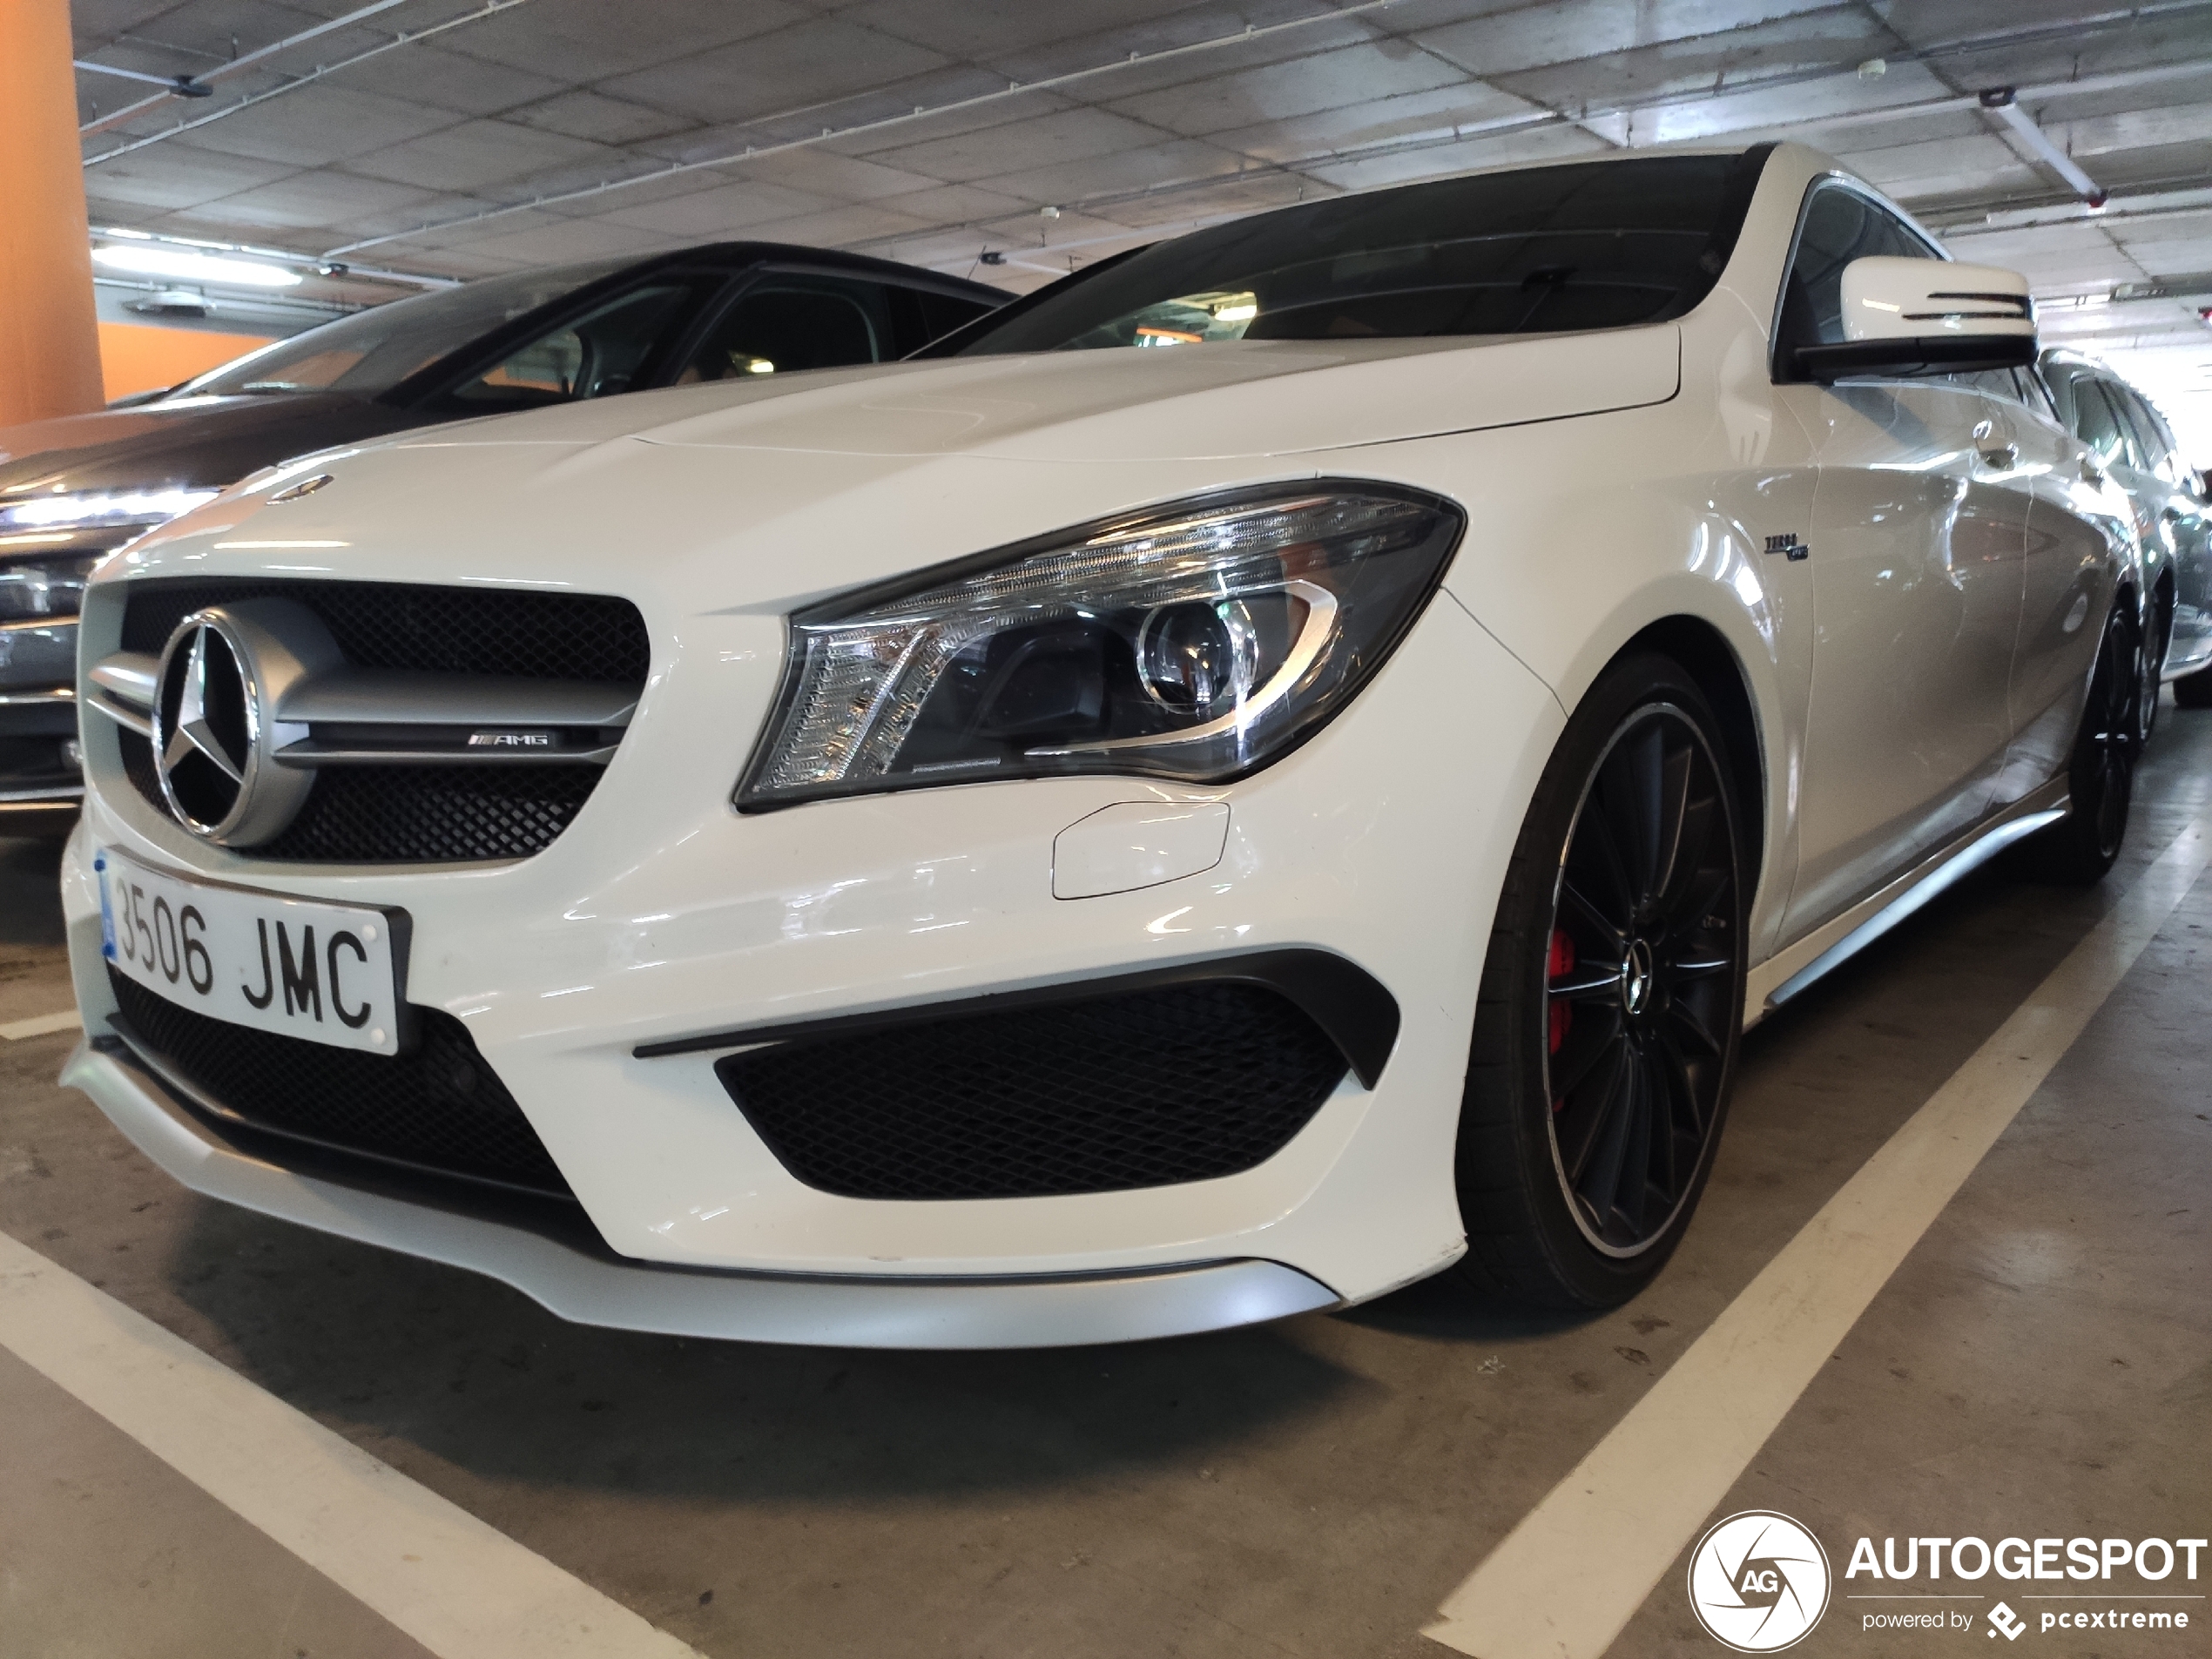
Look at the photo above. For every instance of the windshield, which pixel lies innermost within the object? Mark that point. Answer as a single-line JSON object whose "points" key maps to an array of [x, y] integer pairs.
{"points": [[374, 350], [1588, 245]]}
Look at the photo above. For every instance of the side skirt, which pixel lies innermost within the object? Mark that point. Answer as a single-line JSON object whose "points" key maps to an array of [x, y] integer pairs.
{"points": [[1789, 970]]}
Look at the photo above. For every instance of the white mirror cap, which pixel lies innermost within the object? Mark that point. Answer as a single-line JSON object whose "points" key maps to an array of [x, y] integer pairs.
{"points": [[1891, 299]]}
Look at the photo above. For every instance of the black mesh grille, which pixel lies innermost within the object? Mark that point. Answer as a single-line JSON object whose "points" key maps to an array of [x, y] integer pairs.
{"points": [[1144, 1090], [455, 631], [432, 814], [437, 1107], [422, 814], [137, 766]]}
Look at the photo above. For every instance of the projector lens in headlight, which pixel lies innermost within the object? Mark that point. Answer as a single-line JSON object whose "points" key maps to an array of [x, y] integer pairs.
{"points": [[1196, 643]]}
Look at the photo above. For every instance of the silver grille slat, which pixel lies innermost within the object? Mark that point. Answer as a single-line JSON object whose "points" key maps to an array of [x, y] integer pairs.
{"points": [[308, 752], [417, 697], [409, 716], [129, 678], [123, 687]]}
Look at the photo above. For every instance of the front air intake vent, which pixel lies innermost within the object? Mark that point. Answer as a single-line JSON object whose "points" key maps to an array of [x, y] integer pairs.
{"points": [[1144, 1088], [437, 1108]]}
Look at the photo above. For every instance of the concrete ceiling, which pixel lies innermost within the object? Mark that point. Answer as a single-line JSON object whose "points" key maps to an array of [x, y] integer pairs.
{"points": [[463, 137]]}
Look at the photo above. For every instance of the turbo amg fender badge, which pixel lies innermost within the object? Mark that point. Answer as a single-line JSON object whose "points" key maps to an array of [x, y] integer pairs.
{"points": [[1788, 543]]}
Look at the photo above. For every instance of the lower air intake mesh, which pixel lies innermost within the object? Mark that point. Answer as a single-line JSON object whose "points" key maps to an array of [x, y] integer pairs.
{"points": [[438, 1107], [1147, 1089]]}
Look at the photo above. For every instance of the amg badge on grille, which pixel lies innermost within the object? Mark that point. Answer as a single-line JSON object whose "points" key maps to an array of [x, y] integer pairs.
{"points": [[511, 741]]}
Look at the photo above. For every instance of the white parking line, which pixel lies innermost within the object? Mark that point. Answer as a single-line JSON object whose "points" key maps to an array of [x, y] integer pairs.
{"points": [[1635, 1502], [462, 1589], [44, 1025]]}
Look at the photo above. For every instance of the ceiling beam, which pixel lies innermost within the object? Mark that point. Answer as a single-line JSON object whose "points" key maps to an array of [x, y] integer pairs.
{"points": [[2003, 107], [236, 64]]}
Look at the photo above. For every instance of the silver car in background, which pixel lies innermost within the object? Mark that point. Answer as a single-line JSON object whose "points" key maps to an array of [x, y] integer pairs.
{"points": [[2131, 439]]}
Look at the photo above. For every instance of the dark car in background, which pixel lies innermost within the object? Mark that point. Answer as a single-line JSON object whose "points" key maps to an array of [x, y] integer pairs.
{"points": [[75, 489], [2131, 441]]}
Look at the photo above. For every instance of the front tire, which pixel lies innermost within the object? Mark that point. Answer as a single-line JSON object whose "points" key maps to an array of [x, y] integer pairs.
{"points": [[2078, 850], [1612, 1000]]}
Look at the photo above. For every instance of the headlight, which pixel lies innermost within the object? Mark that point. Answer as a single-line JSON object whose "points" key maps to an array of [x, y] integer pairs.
{"points": [[31, 587], [1196, 643], [146, 506]]}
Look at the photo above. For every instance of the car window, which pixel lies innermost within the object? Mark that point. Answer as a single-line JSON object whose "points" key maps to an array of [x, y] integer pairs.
{"points": [[599, 354], [2142, 425], [1584, 244], [920, 315], [1991, 383], [786, 322], [1839, 226], [374, 350], [2096, 425], [2035, 392], [2058, 383], [2131, 444]]}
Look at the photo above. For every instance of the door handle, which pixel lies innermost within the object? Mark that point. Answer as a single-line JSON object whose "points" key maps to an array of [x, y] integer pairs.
{"points": [[2002, 456]]}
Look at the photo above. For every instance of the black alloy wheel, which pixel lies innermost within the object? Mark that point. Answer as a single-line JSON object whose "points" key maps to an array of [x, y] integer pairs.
{"points": [[2080, 847], [1612, 1002], [1640, 959]]}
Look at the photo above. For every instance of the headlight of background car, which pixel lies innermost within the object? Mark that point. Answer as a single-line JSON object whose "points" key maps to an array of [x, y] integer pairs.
{"points": [[32, 587], [1196, 643], [122, 509], [50, 543]]}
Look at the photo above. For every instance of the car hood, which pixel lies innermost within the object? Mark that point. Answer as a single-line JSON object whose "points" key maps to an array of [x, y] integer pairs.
{"points": [[758, 499], [1241, 399], [193, 443]]}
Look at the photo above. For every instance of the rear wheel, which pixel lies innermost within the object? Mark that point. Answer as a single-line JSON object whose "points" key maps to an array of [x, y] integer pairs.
{"points": [[2079, 849], [1611, 1005]]}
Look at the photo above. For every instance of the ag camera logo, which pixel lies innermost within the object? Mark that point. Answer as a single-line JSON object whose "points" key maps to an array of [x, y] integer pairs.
{"points": [[1758, 1582]]}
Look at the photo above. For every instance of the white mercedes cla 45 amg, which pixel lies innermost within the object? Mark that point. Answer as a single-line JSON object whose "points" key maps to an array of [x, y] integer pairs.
{"points": [[1276, 766]]}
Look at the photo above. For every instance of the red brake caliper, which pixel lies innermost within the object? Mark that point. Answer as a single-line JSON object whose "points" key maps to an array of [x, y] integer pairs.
{"points": [[1560, 963]]}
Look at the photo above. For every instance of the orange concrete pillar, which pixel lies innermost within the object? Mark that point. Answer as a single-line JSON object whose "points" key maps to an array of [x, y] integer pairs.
{"points": [[50, 342]]}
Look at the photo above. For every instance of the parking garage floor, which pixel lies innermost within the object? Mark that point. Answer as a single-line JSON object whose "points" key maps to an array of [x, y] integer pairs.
{"points": [[2039, 1364]]}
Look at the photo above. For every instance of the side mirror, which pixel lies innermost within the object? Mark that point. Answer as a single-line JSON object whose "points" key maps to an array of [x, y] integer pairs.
{"points": [[1926, 317]]}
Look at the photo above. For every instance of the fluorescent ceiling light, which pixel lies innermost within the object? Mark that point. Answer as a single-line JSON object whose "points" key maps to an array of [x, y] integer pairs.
{"points": [[194, 267]]}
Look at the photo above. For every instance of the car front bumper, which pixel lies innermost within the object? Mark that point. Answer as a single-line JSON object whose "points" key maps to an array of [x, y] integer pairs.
{"points": [[597, 1288], [661, 914], [38, 775]]}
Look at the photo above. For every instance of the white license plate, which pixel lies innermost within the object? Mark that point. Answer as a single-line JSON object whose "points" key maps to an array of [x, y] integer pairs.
{"points": [[295, 966]]}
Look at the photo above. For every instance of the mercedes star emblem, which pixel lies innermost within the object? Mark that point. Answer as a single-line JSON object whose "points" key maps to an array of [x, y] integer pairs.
{"points": [[215, 736]]}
